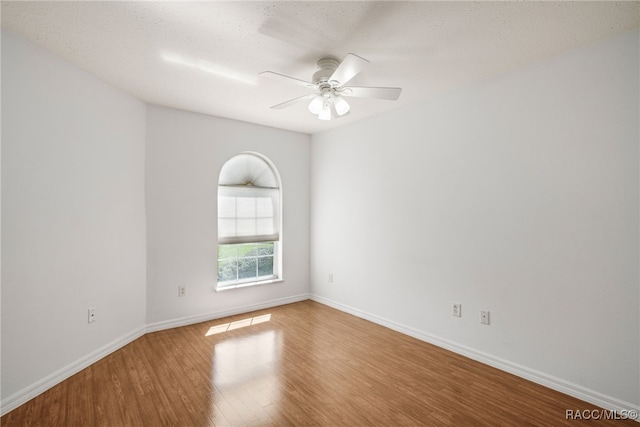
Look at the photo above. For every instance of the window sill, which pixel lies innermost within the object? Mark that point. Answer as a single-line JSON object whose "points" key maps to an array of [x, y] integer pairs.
{"points": [[246, 285]]}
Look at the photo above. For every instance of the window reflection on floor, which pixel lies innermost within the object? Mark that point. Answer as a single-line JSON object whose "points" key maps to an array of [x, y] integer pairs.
{"points": [[246, 386]]}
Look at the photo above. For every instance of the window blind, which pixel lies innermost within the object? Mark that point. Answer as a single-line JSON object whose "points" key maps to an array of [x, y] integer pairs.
{"points": [[248, 214], [248, 201]]}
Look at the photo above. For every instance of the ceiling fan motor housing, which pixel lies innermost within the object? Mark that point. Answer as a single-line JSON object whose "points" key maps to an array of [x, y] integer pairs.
{"points": [[327, 66]]}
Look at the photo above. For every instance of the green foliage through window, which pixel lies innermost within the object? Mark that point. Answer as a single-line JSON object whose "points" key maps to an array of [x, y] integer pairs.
{"points": [[245, 262]]}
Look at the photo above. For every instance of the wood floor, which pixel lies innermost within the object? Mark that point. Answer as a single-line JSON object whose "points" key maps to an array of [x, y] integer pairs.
{"points": [[302, 364]]}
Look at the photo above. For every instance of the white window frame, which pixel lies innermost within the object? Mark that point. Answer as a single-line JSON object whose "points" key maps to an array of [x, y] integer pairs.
{"points": [[277, 252]]}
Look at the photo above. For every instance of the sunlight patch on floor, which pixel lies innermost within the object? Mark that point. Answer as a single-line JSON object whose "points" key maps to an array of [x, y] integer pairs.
{"points": [[238, 324]]}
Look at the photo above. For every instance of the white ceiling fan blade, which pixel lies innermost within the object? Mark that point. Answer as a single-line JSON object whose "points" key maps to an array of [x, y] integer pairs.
{"points": [[348, 68], [388, 93], [294, 101], [283, 78]]}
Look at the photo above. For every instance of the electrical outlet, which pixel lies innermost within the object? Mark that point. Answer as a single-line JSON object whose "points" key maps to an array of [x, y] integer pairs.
{"points": [[182, 291], [484, 317], [456, 309], [92, 315]]}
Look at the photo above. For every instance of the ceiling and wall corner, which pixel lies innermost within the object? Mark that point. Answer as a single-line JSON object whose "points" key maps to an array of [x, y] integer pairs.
{"points": [[205, 56]]}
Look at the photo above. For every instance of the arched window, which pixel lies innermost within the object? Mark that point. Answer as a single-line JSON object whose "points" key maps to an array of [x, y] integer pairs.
{"points": [[248, 222]]}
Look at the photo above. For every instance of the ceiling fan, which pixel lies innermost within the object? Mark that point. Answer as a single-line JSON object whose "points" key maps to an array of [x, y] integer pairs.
{"points": [[329, 90]]}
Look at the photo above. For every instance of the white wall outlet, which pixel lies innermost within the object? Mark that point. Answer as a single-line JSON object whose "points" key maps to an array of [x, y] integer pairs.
{"points": [[330, 277], [92, 315], [182, 291], [484, 317], [456, 309]]}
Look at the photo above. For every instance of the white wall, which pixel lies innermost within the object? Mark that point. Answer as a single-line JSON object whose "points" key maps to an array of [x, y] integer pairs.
{"points": [[185, 152], [74, 226], [73, 216], [518, 195]]}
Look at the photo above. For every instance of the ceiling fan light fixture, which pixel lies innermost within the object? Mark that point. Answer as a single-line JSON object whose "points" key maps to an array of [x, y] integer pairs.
{"points": [[342, 106], [315, 106], [325, 113]]}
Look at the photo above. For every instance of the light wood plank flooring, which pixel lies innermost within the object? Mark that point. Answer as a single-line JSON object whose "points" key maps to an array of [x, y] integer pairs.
{"points": [[301, 364]]}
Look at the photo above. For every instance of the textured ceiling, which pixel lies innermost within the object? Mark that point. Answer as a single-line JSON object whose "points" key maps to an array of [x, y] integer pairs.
{"points": [[206, 56]]}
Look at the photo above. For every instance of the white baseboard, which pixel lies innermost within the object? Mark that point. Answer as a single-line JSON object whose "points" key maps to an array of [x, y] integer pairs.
{"points": [[190, 320], [566, 387], [10, 403], [552, 382], [28, 393]]}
